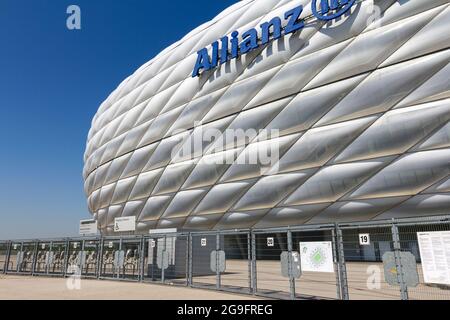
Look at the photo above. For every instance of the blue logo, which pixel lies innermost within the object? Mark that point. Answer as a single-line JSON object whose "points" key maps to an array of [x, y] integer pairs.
{"points": [[232, 47], [331, 9]]}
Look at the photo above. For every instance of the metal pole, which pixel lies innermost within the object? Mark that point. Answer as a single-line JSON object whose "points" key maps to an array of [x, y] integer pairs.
{"points": [[99, 259], [47, 258], [186, 266], [190, 266], [118, 257], [254, 276], [163, 260], [217, 260], [20, 259], [33, 263], [336, 263], [142, 260], [291, 275], [398, 261], [8, 253], [249, 259], [342, 265], [66, 258], [82, 257]]}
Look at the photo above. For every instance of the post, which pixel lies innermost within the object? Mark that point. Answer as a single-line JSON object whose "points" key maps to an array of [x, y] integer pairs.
{"points": [[33, 263], [142, 260], [66, 258], [99, 259], [217, 261], [249, 259], [83, 243], [163, 254], [291, 274], [47, 258], [186, 266], [118, 257], [342, 266], [398, 261], [190, 266], [337, 268], [8, 254], [253, 262]]}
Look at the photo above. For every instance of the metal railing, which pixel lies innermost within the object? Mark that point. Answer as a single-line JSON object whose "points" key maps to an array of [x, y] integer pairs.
{"points": [[347, 261]]}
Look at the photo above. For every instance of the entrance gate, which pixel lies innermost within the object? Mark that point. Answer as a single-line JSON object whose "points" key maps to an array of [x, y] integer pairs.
{"points": [[27, 258], [91, 252], [44, 258], [110, 260], [4, 253], [130, 269]]}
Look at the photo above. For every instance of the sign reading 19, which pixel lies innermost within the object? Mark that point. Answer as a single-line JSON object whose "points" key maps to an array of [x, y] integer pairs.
{"points": [[220, 53]]}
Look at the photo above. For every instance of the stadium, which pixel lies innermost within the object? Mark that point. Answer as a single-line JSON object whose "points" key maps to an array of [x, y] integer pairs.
{"points": [[361, 106], [290, 149]]}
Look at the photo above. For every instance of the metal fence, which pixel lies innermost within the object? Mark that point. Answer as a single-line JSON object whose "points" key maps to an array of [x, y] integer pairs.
{"points": [[351, 260]]}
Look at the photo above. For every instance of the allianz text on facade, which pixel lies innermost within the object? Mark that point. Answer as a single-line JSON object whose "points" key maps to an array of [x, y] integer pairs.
{"points": [[281, 112]]}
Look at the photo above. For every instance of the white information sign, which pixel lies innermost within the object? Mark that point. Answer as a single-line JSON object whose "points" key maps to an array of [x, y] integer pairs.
{"points": [[88, 227], [270, 242], [364, 239], [435, 255], [125, 224], [203, 242], [317, 256]]}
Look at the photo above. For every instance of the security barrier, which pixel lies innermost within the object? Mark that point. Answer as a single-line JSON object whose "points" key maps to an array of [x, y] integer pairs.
{"points": [[381, 260]]}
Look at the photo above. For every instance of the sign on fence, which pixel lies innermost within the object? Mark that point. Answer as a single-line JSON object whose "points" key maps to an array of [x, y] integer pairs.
{"points": [[125, 224], [409, 266], [317, 256], [435, 254], [88, 227], [270, 242], [295, 271], [218, 261], [364, 239]]}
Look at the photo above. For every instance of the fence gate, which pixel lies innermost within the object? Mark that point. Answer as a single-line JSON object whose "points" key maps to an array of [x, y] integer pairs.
{"points": [[318, 262], [166, 259], [57, 258], [112, 260], [14, 258], [152, 272], [267, 249], [202, 247], [28, 258], [130, 269], [4, 252], [43, 258], [364, 248], [90, 258], [235, 274], [177, 250]]}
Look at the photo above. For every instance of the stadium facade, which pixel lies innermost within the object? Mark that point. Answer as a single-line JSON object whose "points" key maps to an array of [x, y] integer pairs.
{"points": [[355, 96]]}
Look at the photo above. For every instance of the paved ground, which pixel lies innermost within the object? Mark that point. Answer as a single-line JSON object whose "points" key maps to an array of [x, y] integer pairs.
{"points": [[28, 288], [365, 282]]}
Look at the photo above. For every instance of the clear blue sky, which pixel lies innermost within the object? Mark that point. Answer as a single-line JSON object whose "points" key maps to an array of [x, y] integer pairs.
{"points": [[52, 81]]}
